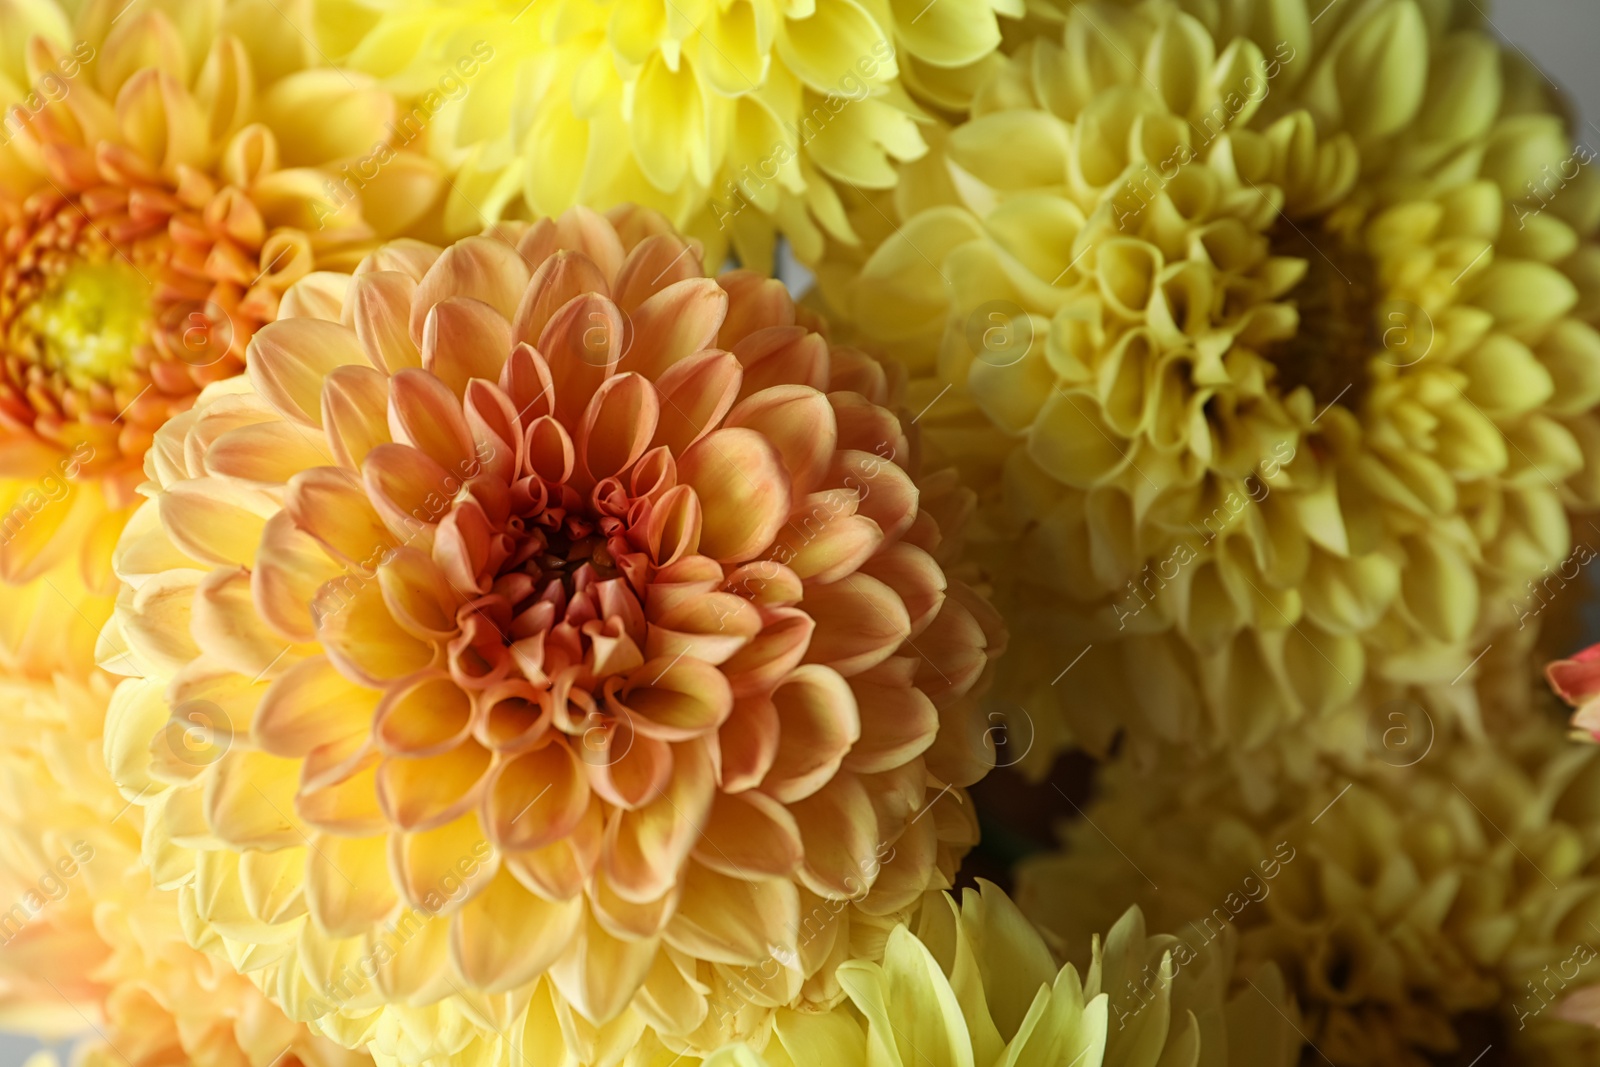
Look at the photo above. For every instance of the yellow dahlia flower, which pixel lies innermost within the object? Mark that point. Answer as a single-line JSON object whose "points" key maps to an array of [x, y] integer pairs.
{"points": [[165, 175], [1421, 905], [1270, 323], [727, 117], [976, 986], [585, 632], [89, 947]]}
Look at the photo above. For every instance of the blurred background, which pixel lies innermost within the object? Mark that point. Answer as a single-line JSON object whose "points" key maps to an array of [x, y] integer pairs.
{"points": [[1557, 35]]}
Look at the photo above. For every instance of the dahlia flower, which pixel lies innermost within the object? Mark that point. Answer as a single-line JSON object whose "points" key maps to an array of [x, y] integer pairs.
{"points": [[727, 118], [1417, 909], [588, 640], [89, 946], [1273, 335], [976, 985], [165, 176]]}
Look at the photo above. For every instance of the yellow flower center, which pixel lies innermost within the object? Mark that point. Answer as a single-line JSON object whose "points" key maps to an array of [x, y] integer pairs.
{"points": [[1337, 300], [87, 323]]}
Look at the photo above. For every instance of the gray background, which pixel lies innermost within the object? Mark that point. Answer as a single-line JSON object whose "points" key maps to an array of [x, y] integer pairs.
{"points": [[1557, 34]]}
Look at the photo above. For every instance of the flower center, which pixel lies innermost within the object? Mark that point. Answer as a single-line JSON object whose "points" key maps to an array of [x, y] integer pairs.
{"points": [[566, 550], [1337, 300], [87, 323]]}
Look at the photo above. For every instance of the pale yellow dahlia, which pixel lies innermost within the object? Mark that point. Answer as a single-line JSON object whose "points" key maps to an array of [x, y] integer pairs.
{"points": [[166, 173], [976, 986], [727, 117], [586, 636], [87, 946], [1270, 323], [1423, 903]]}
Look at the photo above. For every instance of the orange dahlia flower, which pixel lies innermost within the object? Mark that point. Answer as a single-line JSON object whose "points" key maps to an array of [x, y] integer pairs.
{"points": [[586, 636], [165, 175]]}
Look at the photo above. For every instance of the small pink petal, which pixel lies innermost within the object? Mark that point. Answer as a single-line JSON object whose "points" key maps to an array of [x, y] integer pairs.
{"points": [[1576, 678]]}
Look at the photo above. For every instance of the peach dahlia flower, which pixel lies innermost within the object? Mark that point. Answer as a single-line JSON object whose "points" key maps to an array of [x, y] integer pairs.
{"points": [[586, 640], [165, 175]]}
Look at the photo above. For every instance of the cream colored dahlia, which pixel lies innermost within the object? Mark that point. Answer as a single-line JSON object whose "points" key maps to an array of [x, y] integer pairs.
{"points": [[587, 639], [726, 117], [1421, 905], [1271, 326], [87, 946], [166, 173]]}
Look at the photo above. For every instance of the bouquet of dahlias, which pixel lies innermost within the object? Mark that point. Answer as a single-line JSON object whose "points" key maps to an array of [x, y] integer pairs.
{"points": [[617, 533]]}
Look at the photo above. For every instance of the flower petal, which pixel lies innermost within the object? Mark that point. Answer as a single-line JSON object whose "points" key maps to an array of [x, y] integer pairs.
{"points": [[743, 490], [463, 339], [289, 359], [536, 798], [506, 936], [674, 324]]}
